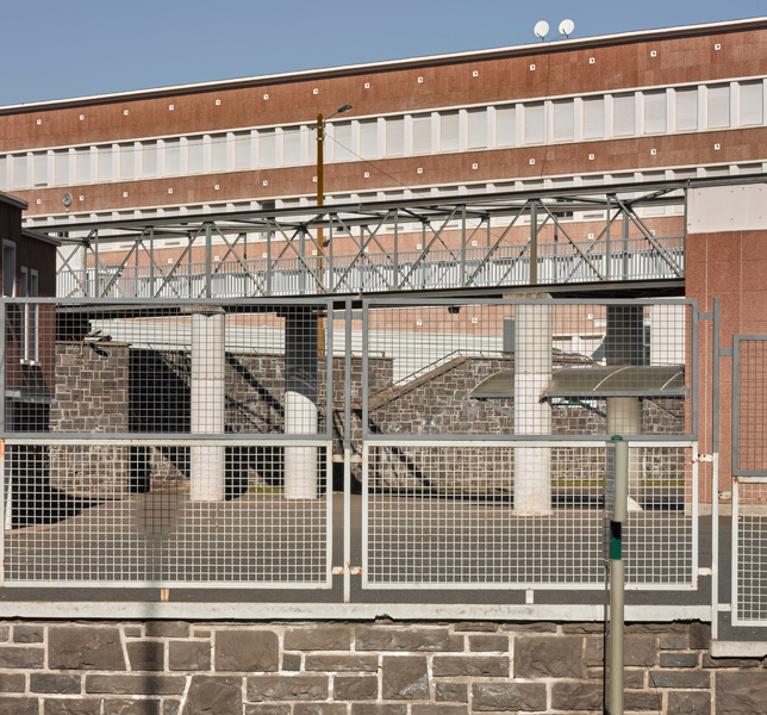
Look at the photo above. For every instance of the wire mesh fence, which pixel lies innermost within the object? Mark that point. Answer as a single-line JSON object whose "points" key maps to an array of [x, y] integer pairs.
{"points": [[749, 519], [750, 406], [462, 516], [171, 443]]}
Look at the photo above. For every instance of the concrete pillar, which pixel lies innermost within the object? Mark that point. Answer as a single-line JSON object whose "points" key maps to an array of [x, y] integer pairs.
{"points": [[532, 374], [301, 378], [207, 464]]}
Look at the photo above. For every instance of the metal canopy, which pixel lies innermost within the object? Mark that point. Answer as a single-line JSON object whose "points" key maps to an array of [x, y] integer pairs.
{"points": [[591, 382]]}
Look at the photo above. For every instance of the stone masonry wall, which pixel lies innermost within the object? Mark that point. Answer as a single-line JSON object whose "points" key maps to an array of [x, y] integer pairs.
{"points": [[383, 668]]}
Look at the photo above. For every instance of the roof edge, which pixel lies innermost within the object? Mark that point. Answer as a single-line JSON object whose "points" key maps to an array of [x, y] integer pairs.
{"points": [[405, 63], [15, 201]]}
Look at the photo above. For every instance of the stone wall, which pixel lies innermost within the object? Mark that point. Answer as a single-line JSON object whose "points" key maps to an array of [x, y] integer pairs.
{"points": [[177, 668]]}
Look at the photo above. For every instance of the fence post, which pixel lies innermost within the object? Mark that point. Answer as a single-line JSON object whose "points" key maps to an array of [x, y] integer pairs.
{"points": [[616, 498]]}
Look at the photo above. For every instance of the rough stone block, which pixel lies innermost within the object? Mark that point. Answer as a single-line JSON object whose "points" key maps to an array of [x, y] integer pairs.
{"points": [[475, 626], [689, 702], [576, 696], [79, 706], [642, 700], [673, 641], [19, 706], [451, 692], [740, 663], [678, 679], [481, 666], [171, 707], [383, 638], [54, 683], [319, 709], [84, 648], [146, 655], [299, 687], [27, 634], [166, 629], [134, 684], [4, 632], [12, 682], [189, 655], [442, 709], [741, 693], [268, 709], [378, 709], [405, 678], [133, 707], [679, 660], [355, 687], [342, 663], [640, 650], [318, 638], [489, 644], [700, 636], [291, 662], [497, 697], [21, 657], [546, 656], [247, 651], [214, 695]]}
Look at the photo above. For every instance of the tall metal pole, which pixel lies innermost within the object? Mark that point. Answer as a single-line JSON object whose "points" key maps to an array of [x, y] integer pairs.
{"points": [[619, 508], [320, 231], [534, 243]]}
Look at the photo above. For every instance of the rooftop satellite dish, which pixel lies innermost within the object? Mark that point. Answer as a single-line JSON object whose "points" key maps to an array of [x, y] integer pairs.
{"points": [[566, 27], [541, 29]]}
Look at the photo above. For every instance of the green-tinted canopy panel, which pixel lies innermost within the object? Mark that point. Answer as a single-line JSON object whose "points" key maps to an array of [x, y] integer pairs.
{"points": [[590, 382]]}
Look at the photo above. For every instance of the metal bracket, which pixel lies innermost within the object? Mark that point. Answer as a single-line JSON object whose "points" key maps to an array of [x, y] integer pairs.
{"points": [[705, 315]]}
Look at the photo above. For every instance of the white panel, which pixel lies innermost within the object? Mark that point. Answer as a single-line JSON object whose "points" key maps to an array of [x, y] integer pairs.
{"points": [[291, 147], [395, 136], [149, 159], [719, 106], [564, 119], [686, 109], [127, 161], [83, 165], [448, 138], [194, 148], [3, 173], [243, 150], [421, 133], [727, 208], [267, 148], [535, 126], [104, 162], [477, 120], [506, 126], [593, 117], [655, 112], [369, 138], [40, 169], [751, 103], [218, 153], [623, 115], [20, 173], [342, 144], [61, 161]]}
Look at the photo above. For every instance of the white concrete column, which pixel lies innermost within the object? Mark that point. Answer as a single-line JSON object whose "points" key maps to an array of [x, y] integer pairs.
{"points": [[301, 378], [207, 464], [532, 374]]}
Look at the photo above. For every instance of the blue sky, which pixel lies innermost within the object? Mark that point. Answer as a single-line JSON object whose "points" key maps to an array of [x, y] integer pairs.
{"points": [[51, 49]]}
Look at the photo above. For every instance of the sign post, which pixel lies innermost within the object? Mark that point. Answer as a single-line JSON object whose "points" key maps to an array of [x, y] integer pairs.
{"points": [[616, 502]]}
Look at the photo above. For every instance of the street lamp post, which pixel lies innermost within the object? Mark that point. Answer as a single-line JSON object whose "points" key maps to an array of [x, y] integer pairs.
{"points": [[321, 121]]}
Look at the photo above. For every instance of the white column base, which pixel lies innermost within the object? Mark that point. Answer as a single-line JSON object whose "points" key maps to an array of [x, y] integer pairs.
{"points": [[300, 468]]}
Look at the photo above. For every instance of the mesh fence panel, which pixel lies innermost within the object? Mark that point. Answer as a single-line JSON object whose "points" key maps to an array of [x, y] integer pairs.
{"points": [[750, 567], [750, 448], [448, 515]]}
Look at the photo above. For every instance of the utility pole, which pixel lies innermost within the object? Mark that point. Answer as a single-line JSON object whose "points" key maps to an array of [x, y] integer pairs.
{"points": [[321, 121]]}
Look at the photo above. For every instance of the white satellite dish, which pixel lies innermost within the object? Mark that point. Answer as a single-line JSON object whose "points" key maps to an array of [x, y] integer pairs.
{"points": [[566, 27], [541, 29]]}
